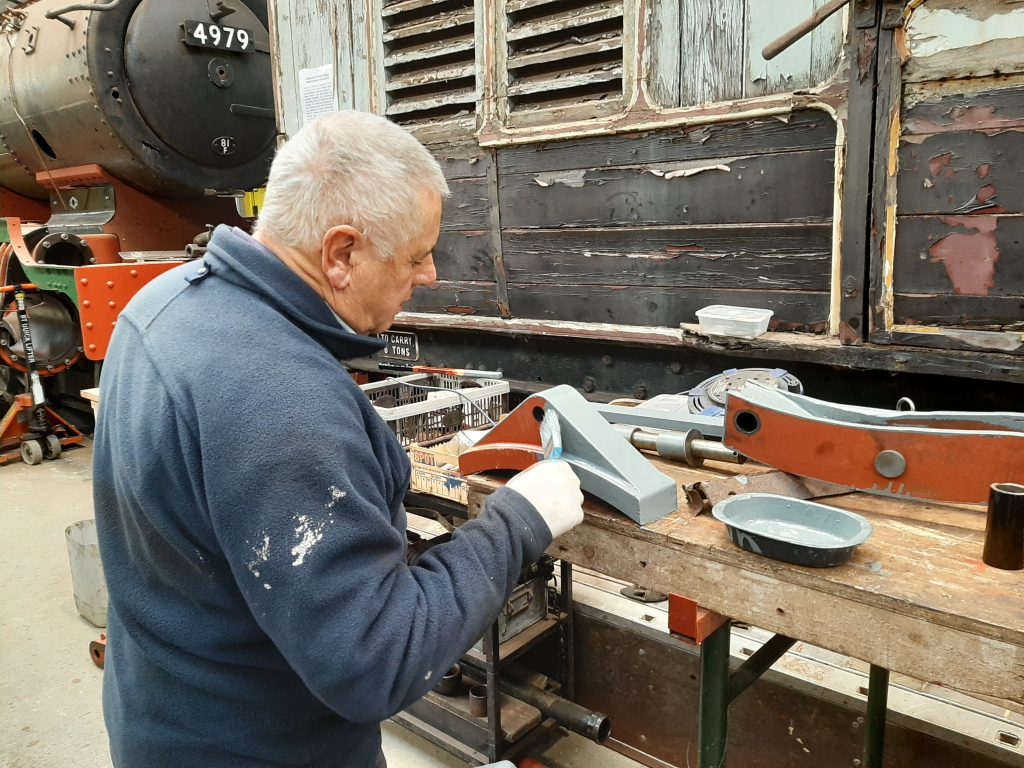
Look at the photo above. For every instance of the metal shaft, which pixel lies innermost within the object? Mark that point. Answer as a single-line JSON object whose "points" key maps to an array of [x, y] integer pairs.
{"points": [[594, 725], [689, 447]]}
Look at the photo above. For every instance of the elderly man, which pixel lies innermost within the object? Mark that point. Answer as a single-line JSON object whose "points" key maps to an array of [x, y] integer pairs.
{"points": [[249, 499]]}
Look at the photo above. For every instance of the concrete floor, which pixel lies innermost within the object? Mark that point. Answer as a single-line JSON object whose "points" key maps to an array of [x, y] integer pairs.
{"points": [[51, 691]]}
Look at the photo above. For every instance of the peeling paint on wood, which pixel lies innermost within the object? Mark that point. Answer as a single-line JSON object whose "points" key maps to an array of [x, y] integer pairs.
{"points": [[951, 38], [969, 256]]}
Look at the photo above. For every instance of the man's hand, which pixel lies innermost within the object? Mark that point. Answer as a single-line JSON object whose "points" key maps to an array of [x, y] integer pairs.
{"points": [[554, 490]]}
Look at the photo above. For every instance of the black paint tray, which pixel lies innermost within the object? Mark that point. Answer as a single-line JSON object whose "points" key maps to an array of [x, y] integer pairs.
{"points": [[792, 530]]}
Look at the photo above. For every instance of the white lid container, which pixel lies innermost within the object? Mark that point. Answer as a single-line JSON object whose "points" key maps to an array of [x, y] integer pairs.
{"points": [[741, 322]]}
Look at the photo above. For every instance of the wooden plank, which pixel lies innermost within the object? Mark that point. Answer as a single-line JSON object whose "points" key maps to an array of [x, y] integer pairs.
{"points": [[460, 298], [924, 583], [468, 206], [358, 66], [431, 50], [951, 311], [883, 186], [441, 23], [851, 325], [464, 160], [804, 130], [633, 305], [562, 81], [950, 38], [790, 187], [960, 256], [465, 255], [962, 172], [791, 69], [827, 46], [563, 20], [753, 256], [712, 66], [773, 348], [664, 51], [975, 105], [435, 75]]}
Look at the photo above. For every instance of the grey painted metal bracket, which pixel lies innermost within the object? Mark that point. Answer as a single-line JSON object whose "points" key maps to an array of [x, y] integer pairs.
{"points": [[607, 465]]}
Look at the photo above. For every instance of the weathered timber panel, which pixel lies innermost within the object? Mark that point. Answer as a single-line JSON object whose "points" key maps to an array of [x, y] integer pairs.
{"points": [[456, 298], [465, 255], [980, 312], [634, 305], [962, 172], [712, 39], [791, 69], [462, 161], [468, 207], [763, 257], [953, 38], [961, 255], [935, 108], [958, 261], [789, 187], [804, 130]]}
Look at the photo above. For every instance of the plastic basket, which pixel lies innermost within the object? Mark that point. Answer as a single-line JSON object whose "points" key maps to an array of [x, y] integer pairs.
{"points": [[418, 415]]}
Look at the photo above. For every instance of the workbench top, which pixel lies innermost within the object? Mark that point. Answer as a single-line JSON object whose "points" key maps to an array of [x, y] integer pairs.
{"points": [[915, 598]]}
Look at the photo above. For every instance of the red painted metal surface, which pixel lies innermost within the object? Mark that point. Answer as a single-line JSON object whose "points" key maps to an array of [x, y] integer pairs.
{"points": [[952, 464], [103, 291]]}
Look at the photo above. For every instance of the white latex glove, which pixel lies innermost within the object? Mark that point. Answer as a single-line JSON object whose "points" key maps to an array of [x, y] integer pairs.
{"points": [[554, 490]]}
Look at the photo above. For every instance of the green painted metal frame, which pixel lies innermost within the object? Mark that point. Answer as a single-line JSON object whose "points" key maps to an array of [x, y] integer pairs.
{"points": [[719, 687]]}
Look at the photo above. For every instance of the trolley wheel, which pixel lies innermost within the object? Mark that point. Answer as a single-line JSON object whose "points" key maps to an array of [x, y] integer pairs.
{"points": [[52, 448], [32, 452]]}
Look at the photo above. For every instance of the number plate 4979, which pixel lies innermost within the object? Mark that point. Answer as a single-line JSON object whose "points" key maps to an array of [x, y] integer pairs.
{"points": [[204, 34]]}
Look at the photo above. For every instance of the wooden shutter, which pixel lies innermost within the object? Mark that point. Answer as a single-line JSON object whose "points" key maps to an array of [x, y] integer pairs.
{"points": [[563, 52], [429, 59]]}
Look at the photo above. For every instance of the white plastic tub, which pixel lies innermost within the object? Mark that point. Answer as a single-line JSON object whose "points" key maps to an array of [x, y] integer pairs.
{"points": [[87, 578], [740, 322]]}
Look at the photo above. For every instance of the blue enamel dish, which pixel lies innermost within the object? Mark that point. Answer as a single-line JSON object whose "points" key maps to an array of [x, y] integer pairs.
{"points": [[792, 530]]}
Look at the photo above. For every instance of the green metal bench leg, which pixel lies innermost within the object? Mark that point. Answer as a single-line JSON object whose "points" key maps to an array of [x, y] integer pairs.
{"points": [[878, 705], [713, 713]]}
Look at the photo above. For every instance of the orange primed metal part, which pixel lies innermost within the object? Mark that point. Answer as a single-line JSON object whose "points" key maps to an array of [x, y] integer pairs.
{"points": [[518, 443], [14, 426], [947, 465], [103, 291], [687, 618], [142, 222]]}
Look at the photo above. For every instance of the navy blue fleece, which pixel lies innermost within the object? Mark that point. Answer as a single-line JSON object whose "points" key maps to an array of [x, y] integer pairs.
{"points": [[249, 506]]}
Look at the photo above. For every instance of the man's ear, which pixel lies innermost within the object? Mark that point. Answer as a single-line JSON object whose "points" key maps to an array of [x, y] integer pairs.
{"points": [[336, 251]]}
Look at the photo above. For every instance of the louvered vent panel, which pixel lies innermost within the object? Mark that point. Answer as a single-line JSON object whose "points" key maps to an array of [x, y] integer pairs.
{"points": [[429, 59], [564, 52]]}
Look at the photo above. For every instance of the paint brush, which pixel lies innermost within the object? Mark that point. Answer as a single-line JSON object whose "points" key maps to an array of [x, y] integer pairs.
{"points": [[551, 435]]}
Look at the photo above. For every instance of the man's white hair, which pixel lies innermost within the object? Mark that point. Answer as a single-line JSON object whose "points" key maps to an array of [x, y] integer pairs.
{"points": [[351, 168]]}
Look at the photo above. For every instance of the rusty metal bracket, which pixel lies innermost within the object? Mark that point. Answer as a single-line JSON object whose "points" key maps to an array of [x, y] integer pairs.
{"points": [[939, 456], [607, 465]]}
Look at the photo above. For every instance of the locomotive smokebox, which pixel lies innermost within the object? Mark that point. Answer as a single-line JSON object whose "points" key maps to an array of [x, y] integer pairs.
{"points": [[107, 84]]}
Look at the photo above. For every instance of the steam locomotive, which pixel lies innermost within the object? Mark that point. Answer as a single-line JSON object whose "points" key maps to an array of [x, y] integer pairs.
{"points": [[127, 129]]}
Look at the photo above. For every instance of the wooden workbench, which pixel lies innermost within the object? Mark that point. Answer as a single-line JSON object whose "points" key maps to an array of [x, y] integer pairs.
{"points": [[915, 599]]}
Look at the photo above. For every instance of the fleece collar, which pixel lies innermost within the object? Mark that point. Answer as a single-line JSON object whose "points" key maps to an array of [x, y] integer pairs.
{"points": [[238, 258]]}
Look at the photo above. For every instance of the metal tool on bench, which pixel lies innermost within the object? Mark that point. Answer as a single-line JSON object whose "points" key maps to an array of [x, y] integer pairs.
{"points": [[939, 456], [607, 465]]}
